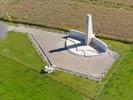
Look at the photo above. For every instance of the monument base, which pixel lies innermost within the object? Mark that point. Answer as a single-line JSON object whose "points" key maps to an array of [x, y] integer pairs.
{"points": [[76, 45]]}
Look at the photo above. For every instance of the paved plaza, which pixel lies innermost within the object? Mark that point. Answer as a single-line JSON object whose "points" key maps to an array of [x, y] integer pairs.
{"points": [[53, 45]]}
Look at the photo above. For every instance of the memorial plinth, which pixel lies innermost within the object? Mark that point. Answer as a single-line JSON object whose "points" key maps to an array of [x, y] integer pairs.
{"points": [[85, 44]]}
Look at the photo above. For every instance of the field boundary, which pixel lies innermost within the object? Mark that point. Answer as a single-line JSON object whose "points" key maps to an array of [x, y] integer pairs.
{"points": [[18, 62], [72, 88], [107, 4], [66, 31]]}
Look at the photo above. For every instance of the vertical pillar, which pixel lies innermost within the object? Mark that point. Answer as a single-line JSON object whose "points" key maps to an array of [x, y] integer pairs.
{"points": [[89, 33]]}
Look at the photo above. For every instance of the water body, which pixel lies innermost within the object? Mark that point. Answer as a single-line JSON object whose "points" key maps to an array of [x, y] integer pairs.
{"points": [[3, 29]]}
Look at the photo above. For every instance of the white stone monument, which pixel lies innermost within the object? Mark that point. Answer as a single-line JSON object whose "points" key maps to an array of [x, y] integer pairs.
{"points": [[89, 31], [85, 44]]}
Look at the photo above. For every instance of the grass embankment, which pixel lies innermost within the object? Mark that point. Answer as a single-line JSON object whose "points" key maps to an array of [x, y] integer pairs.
{"points": [[19, 76]]}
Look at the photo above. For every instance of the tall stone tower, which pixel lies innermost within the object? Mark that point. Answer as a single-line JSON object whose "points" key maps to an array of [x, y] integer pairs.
{"points": [[89, 32]]}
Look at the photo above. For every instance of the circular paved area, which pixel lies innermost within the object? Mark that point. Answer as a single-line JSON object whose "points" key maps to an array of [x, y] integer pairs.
{"points": [[77, 47]]}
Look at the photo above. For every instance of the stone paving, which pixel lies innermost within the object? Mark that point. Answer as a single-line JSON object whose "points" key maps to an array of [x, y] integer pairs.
{"points": [[53, 45], [77, 47]]}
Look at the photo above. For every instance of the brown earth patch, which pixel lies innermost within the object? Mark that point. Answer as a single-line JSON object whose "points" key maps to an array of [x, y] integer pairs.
{"points": [[69, 14]]}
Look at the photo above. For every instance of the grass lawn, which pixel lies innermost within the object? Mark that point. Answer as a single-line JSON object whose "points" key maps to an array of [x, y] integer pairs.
{"points": [[20, 78], [18, 47], [120, 85], [94, 89], [21, 82]]}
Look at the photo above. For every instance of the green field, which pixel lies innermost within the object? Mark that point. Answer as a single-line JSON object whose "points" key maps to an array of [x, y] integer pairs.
{"points": [[20, 78], [18, 47], [120, 85], [98, 89]]}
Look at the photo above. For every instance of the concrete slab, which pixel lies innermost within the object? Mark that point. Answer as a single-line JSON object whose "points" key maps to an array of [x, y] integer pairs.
{"points": [[77, 47], [53, 44]]}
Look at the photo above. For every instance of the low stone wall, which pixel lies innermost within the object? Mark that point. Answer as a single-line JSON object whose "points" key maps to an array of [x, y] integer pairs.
{"points": [[39, 49], [35, 44], [100, 44], [77, 34]]}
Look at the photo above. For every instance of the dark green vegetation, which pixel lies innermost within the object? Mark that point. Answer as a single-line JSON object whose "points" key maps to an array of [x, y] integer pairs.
{"points": [[111, 18], [20, 78]]}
